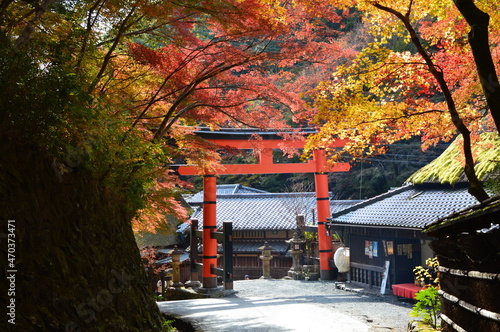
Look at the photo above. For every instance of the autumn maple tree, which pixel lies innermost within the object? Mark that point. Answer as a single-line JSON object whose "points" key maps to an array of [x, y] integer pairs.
{"points": [[97, 100], [165, 68], [216, 76], [424, 85]]}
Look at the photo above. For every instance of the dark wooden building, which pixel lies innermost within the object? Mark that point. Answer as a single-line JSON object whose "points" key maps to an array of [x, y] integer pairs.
{"points": [[389, 227], [468, 248]]}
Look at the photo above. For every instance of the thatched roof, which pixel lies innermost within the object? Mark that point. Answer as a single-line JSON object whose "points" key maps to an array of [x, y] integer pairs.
{"points": [[448, 167]]}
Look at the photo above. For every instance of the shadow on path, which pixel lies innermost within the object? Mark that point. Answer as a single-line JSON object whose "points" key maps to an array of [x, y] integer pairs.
{"points": [[260, 314]]}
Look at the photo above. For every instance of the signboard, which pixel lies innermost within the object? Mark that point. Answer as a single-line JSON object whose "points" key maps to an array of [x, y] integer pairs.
{"points": [[383, 285]]}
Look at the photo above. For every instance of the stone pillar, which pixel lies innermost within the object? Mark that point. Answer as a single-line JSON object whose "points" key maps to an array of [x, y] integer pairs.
{"points": [[295, 271], [193, 256], [176, 267], [163, 284], [266, 260]]}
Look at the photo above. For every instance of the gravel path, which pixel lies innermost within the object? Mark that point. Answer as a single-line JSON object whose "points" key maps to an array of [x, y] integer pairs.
{"points": [[380, 313]]}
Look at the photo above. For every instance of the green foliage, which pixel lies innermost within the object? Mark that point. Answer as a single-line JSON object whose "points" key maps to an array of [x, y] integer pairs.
{"points": [[167, 326], [35, 102], [428, 306], [311, 243], [46, 103], [124, 161], [428, 303]]}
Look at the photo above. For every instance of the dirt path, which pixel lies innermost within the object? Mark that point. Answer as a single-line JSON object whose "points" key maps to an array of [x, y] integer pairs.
{"points": [[380, 313]]}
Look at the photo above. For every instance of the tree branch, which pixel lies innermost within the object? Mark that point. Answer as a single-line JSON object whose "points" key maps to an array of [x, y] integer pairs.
{"points": [[406, 116], [3, 6], [476, 188], [123, 27], [191, 87], [91, 19], [28, 30]]}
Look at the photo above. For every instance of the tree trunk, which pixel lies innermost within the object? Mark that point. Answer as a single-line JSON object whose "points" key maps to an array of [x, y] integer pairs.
{"points": [[77, 267], [479, 42]]}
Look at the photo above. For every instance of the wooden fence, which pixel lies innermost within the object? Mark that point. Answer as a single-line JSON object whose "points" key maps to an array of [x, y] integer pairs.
{"points": [[368, 275]]}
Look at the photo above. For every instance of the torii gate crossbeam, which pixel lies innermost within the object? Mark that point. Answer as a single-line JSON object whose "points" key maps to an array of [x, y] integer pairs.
{"points": [[241, 139]]}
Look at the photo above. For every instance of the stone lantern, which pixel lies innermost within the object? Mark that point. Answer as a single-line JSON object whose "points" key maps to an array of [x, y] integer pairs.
{"points": [[176, 271], [266, 260], [295, 271]]}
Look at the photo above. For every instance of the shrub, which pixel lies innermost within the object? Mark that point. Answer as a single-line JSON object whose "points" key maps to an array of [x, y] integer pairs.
{"points": [[428, 306]]}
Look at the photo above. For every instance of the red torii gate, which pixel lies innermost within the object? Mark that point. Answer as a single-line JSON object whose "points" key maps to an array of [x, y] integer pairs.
{"points": [[241, 139]]}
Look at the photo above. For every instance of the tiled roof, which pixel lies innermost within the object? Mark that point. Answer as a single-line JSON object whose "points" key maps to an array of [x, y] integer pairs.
{"points": [[340, 205], [253, 246], [410, 206], [266, 211], [168, 260], [223, 189]]}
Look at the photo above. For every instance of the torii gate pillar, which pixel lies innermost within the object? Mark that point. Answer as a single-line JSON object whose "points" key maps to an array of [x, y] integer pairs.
{"points": [[209, 226], [323, 208]]}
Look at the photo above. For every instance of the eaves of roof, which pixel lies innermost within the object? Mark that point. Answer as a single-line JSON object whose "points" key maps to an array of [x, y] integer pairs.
{"points": [[167, 260], [378, 226], [470, 219], [280, 247]]}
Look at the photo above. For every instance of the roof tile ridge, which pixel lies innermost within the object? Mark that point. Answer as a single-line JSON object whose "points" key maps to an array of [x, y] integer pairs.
{"points": [[256, 190], [372, 200], [237, 187], [244, 195], [264, 195], [344, 201]]}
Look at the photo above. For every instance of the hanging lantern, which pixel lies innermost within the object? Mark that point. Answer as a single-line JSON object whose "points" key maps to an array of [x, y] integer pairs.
{"points": [[342, 259]]}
